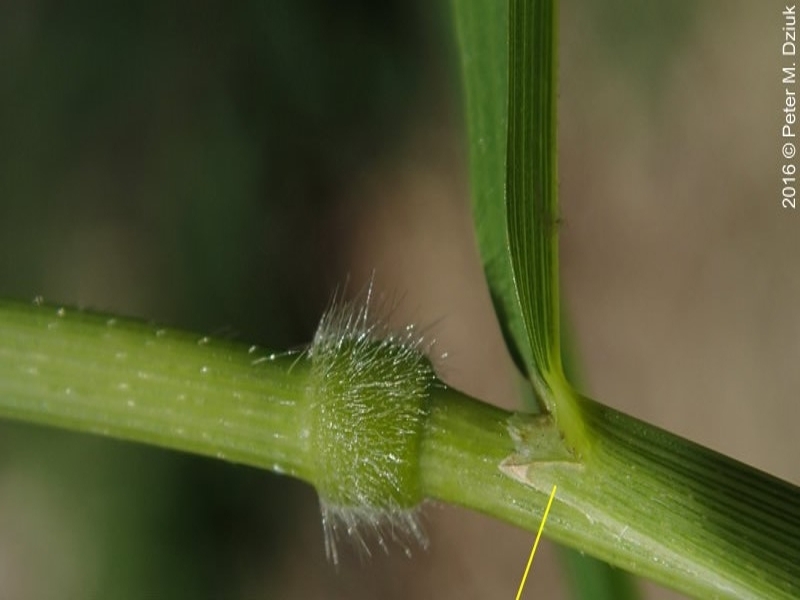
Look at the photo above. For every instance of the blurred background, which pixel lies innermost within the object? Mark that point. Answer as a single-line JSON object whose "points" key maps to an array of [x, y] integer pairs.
{"points": [[223, 167]]}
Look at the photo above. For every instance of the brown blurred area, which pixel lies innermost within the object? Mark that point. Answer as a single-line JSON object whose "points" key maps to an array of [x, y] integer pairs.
{"points": [[678, 270]]}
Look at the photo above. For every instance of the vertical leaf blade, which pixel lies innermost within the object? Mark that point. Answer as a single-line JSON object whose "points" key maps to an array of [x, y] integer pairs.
{"points": [[531, 174], [511, 120], [508, 62], [482, 30]]}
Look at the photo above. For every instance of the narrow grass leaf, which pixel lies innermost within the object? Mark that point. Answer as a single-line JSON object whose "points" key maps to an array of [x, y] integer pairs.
{"points": [[482, 30], [532, 202]]}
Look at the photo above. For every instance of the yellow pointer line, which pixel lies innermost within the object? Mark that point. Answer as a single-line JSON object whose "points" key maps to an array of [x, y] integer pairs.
{"points": [[536, 543]]}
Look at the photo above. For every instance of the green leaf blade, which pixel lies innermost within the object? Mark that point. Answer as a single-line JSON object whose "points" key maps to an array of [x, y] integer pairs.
{"points": [[482, 30], [483, 36], [532, 180], [532, 204], [508, 72]]}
